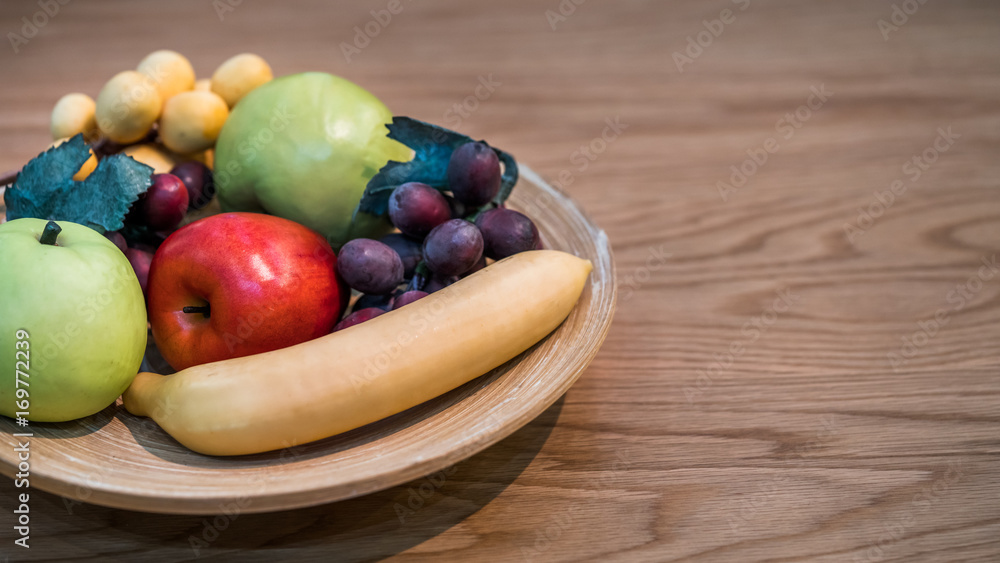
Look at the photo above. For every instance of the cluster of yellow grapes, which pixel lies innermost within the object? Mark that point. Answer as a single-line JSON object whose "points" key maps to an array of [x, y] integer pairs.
{"points": [[161, 92]]}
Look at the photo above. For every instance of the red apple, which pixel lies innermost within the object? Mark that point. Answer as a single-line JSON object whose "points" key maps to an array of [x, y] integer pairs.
{"points": [[237, 284]]}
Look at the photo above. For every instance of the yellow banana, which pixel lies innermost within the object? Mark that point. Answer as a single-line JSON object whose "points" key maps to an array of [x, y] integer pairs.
{"points": [[367, 372]]}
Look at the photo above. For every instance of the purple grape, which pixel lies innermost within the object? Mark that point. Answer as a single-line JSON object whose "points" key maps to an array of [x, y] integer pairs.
{"points": [[118, 239], [368, 301], [478, 266], [370, 266], [163, 205], [358, 317], [453, 247], [410, 251], [474, 174], [506, 232], [416, 208], [140, 261], [198, 180], [437, 283], [407, 297]]}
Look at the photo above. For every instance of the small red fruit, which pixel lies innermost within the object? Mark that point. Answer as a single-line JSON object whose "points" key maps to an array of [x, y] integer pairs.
{"points": [[163, 206]]}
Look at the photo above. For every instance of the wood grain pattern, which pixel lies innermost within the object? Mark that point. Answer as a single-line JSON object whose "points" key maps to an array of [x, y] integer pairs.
{"points": [[804, 443]]}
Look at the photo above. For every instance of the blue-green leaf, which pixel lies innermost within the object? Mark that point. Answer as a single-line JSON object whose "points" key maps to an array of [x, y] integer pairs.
{"points": [[45, 188], [432, 146]]}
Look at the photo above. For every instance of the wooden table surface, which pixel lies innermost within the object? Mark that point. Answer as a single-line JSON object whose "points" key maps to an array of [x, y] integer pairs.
{"points": [[803, 202]]}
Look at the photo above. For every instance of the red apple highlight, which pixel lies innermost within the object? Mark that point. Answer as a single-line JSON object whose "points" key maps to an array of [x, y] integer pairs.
{"points": [[237, 284]]}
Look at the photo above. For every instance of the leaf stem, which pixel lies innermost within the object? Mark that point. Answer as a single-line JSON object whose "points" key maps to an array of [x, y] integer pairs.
{"points": [[475, 215], [420, 275]]}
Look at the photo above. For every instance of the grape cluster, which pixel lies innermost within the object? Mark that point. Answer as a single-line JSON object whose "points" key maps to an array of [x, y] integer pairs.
{"points": [[159, 211], [160, 115], [160, 106], [444, 235]]}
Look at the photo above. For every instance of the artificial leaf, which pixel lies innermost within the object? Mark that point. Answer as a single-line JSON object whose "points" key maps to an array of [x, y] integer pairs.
{"points": [[432, 146], [47, 176], [45, 188]]}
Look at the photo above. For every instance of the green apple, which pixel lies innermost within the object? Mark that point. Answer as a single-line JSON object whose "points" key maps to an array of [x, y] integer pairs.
{"points": [[72, 313], [304, 147]]}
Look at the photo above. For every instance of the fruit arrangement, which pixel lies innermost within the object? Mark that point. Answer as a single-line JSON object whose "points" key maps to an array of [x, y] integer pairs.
{"points": [[267, 229], [442, 237]]}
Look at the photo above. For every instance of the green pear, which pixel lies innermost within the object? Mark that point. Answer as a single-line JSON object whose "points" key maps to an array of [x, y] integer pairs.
{"points": [[304, 147]]}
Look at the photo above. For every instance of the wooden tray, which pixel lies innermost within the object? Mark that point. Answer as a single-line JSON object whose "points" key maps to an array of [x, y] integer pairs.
{"points": [[115, 459]]}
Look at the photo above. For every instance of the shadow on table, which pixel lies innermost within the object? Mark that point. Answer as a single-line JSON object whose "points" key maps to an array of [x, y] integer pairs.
{"points": [[362, 529]]}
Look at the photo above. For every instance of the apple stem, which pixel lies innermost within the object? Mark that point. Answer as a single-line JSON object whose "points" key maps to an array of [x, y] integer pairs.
{"points": [[50, 233], [203, 309]]}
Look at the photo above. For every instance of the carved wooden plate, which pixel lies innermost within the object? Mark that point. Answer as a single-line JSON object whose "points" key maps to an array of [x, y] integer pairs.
{"points": [[116, 459]]}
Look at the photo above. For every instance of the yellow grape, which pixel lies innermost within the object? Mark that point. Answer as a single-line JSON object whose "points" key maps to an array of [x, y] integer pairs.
{"points": [[203, 85], [73, 114], [239, 75], [87, 167], [127, 107], [152, 155], [191, 121], [170, 71]]}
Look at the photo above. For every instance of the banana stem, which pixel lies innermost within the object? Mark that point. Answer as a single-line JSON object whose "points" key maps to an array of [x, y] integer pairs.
{"points": [[141, 393]]}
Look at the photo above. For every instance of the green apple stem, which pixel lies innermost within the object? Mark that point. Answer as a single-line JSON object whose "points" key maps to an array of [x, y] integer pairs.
{"points": [[50, 234], [203, 309]]}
